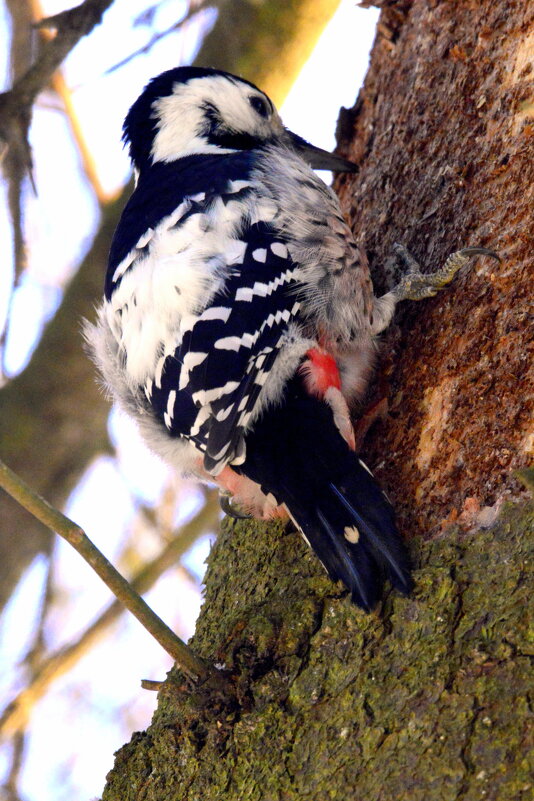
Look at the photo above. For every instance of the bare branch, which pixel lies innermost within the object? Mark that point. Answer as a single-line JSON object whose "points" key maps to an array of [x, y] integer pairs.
{"points": [[70, 27], [16, 104], [149, 684], [55, 665], [10, 787], [15, 158], [73, 534], [28, 81]]}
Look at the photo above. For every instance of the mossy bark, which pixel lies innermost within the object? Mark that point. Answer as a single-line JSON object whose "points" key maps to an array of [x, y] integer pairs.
{"points": [[428, 698]]}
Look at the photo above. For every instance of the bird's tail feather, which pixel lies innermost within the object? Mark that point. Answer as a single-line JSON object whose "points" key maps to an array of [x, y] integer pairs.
{"points": [[296, 453], [351, 528]]}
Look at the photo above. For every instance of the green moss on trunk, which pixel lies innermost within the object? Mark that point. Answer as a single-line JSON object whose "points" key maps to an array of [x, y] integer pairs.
{"points": [[426, 698]]}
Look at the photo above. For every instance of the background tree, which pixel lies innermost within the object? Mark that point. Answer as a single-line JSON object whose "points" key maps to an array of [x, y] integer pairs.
{"points": [[429, 698]]}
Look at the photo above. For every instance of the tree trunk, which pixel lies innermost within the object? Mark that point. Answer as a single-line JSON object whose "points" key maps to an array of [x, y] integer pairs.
{"points": [[427, 698]]}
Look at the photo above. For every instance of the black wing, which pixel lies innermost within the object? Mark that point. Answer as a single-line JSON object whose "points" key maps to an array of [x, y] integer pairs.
{"points": [[209, 387]]}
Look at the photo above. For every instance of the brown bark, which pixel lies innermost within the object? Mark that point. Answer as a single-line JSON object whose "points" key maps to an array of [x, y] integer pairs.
{"points": [[429, 697], [444, 134], [53, 416]]}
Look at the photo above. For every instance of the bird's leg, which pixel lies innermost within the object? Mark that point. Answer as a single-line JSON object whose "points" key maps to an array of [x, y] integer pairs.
{"points": [[416, 285], [243, 499]]}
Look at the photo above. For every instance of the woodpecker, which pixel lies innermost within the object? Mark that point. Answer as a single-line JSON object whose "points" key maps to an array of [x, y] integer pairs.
{"points": [[239, 320]]}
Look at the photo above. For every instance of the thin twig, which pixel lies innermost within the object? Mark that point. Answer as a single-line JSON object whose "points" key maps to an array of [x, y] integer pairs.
{"points": [[74, 534], [87, 159], [37, 649], [10, 787], [150, 684], [190, 14]]}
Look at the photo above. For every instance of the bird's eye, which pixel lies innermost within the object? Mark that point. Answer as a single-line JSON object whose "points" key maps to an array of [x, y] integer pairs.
{"points": [[260, 105]]}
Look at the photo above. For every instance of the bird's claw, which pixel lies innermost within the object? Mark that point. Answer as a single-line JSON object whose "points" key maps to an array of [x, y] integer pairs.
{"points": [[225, 502], [416, 285]]}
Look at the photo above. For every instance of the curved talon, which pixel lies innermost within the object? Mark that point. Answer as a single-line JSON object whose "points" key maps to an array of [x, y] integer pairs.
{"points": [[416, 285], [479, 252], [225, 502], [460, 257]]}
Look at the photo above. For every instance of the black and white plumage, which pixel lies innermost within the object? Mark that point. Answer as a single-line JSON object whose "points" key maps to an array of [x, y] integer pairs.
{"points": [[239, 318]]}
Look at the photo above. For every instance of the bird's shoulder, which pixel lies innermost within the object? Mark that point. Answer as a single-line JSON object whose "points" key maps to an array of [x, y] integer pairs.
{"points": [[169, 194]]}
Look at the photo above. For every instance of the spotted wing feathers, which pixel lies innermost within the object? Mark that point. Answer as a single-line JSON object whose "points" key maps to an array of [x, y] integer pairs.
{"points": [[207, 389]]}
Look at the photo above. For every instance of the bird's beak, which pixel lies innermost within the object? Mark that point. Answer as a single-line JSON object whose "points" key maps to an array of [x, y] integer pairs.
{"points": [[320, 159]]}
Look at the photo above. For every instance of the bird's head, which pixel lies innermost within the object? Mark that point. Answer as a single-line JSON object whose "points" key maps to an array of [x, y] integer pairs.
{"points": [[194, 110]]}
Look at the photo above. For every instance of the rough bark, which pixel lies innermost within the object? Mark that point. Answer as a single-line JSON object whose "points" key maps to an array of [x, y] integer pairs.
{"points": [[52, 416], [444, 133], [428, 697]]}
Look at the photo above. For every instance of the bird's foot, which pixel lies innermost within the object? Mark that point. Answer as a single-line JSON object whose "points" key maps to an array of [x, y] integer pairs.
{"points": [[416, 285], [225, 502]]}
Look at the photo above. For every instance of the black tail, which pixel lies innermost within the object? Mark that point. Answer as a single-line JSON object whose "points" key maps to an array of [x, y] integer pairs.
{"points": [[296, 453]]}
